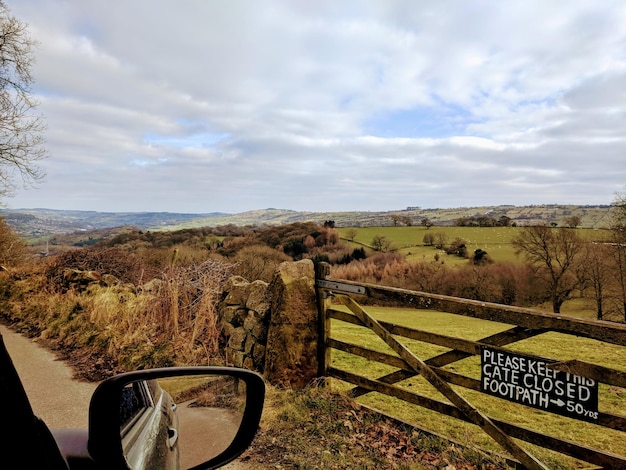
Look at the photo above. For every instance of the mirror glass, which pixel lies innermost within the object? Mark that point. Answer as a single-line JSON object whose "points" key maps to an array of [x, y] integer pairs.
{"points": [[179, 422]]}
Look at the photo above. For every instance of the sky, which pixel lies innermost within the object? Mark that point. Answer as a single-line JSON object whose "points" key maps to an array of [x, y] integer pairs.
{"points": [[372, 105]]}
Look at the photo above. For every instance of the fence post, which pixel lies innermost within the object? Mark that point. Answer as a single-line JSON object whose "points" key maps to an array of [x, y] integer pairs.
{"points": [[322, 271]]}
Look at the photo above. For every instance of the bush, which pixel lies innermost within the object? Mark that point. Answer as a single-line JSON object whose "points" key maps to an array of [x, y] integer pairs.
{"points": [[12, 249], [481, 257], [171, 322], [457, 247], [295, 248], [504, 284], [125, 266], [258, 262]]}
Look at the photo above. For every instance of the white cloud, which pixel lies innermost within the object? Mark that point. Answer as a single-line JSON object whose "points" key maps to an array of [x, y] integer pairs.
{"points": [[230, 106]]}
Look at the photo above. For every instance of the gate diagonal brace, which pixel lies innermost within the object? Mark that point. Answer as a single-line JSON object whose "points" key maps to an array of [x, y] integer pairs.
{"points": [[474, 415], [503, 338]]}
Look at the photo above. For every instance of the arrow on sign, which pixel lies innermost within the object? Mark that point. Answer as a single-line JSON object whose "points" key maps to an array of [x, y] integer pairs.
{"points": [[558, 402]]}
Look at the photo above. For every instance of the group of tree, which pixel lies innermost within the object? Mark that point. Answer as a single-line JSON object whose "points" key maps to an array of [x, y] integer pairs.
{"points": [[483, 221], [490, 282], [401, 219], [557, 259], [570, 264], [457, 247], [436, 239]]}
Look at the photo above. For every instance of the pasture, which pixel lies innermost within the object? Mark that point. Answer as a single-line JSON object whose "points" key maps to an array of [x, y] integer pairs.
{"points": [[408, 241], [551, 345]]}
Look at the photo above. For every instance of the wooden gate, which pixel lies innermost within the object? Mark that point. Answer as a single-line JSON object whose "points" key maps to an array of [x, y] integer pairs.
{"points": [[573, 390]]}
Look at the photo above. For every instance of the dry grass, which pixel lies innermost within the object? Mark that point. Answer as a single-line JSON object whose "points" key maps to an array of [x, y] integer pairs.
{"points": [[318, 428], [170, 321]]}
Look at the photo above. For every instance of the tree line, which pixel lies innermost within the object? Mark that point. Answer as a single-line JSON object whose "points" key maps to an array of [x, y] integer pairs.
{"points": [[559, 265]]}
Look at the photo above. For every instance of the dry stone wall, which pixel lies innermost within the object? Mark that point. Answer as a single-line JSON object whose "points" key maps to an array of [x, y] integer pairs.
{"points": [[272, 328], [244, 318]]}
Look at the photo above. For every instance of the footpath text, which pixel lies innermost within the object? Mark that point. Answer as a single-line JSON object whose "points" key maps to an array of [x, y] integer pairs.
{"points": [[527, 380]]}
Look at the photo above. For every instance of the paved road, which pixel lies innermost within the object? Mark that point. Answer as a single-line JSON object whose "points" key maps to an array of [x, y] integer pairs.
{"points": [[56, 397], [61, 401], [204, 432]]}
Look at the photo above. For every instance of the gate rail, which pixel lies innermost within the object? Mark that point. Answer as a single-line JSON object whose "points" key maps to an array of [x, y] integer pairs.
{"points": [[526, 323]]}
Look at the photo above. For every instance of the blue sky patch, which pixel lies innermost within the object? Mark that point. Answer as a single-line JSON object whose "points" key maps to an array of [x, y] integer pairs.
{"points": [[199, 140], [440, 122]]}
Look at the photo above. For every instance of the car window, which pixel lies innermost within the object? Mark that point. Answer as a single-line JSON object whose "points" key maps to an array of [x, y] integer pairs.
{"points": [[154, 389], [134, 401]]}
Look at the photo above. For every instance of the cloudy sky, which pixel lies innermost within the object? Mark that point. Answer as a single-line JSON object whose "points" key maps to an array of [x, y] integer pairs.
{"points": [[235, 105]]}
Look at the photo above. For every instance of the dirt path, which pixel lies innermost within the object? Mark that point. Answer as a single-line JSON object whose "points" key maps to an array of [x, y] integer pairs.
{"points": [[61, 401]]}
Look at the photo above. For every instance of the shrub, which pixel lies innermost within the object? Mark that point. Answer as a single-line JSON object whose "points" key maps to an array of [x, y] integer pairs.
{"points": [[474, 283], [359, 253], [125, 266], [12, 249], [183, 307], [172, 322], [481, 257], [457, 247], [504, 284], [295, 248], [258, 262]]}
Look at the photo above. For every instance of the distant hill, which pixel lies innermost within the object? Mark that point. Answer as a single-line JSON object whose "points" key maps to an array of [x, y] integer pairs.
{"points": [[44, 222], [39, 223]]}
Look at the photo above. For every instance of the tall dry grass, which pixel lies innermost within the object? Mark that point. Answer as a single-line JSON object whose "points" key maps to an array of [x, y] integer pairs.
{"points": [[170, 320]]}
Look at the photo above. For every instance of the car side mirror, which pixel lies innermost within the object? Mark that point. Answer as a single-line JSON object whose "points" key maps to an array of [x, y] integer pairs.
{"points": [[180, 417]]}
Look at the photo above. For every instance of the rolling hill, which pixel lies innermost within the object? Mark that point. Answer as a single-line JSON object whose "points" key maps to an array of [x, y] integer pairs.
{"points": [[40, 223]]}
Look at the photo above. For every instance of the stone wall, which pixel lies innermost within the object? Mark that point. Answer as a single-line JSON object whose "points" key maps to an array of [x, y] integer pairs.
{"points": [[272, 328], [244, 318]]}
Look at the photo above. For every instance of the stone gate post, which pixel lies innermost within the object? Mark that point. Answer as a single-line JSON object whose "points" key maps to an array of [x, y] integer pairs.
{"points": [[292, 341]]}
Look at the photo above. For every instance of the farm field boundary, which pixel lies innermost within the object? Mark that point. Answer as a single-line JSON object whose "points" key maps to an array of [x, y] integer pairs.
{"points": [[497, 241], [478, 378]]}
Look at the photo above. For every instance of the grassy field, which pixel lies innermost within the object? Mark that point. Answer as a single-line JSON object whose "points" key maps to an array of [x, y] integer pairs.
{"points": [[496, 241], [552, 345]]}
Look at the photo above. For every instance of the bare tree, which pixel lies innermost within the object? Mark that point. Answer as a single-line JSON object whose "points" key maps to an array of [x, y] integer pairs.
{"points": [[351, 234], [381, 243], [619, 268], [573, 221], [595, 273], [618, 230], [440, 240], [553, 251], [618, 214], [21, 127]]}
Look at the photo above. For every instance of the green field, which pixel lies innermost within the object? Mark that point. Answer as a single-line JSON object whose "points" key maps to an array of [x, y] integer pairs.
{"points": [[496, 241], [552, 345]]}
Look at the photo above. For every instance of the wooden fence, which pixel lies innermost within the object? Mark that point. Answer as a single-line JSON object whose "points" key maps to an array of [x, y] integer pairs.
{"points": [[568, 388]]}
